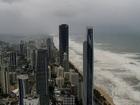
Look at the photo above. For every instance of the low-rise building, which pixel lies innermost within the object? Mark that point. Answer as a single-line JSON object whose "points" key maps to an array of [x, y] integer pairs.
{"points": [[69, 100], [31, 101]]}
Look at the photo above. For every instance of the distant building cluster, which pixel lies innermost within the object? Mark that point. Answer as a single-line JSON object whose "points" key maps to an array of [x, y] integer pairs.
{"points": [[35, 72]]}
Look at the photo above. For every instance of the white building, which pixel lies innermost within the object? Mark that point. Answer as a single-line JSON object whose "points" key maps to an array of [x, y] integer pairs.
{"points": [[60, 71], [59, 82]]}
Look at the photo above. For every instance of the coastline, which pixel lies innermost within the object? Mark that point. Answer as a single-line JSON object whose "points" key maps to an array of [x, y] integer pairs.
{"points": [[98, 89], [101, 97]]}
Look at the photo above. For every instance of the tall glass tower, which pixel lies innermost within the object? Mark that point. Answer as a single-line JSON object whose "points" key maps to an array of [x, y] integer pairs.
{"points": [[88, 64], [22, 79], [42, 76], [63, 42]]}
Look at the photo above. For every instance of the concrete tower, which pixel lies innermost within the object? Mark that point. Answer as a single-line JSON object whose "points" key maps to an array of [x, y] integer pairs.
{"points": [[12, 67], [50, 49], [23, 49], [34, 60], [66, 62], [4, 79], [74, 79], [13, 61]]}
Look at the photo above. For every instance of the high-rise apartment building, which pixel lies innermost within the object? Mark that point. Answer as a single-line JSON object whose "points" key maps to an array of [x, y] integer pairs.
{"points": [[60, 82], [74, 79], [13, 57], [34, 59], [23, 49], [65, 62], [4, 79]]}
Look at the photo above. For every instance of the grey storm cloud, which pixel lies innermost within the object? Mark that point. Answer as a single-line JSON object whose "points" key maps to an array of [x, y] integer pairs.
{"points": [[41, 16], [11, 1]]}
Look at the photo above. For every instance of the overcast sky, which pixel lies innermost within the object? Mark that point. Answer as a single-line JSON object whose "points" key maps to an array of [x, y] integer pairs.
{"points": [[44, 16]]}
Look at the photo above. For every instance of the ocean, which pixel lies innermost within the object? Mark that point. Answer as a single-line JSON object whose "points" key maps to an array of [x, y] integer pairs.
{"points": [[117, 65]]}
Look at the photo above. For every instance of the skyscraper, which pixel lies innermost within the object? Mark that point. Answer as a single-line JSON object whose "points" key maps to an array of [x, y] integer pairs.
{"points": [[12, 67], [60, 71], [34, 60], [50, 48], [74, 79], [88, 63], [42, 76], [4, 79], [60, 82], [63, 42], [65, 62], [23, 49], [22, 88], [13, 58]]}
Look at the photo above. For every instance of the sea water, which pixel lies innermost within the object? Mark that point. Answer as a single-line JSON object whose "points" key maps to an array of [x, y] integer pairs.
{"points": [[117, 66]]}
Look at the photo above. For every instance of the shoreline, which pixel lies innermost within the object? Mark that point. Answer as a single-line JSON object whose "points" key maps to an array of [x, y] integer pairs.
{"points": [[101, 96]]}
